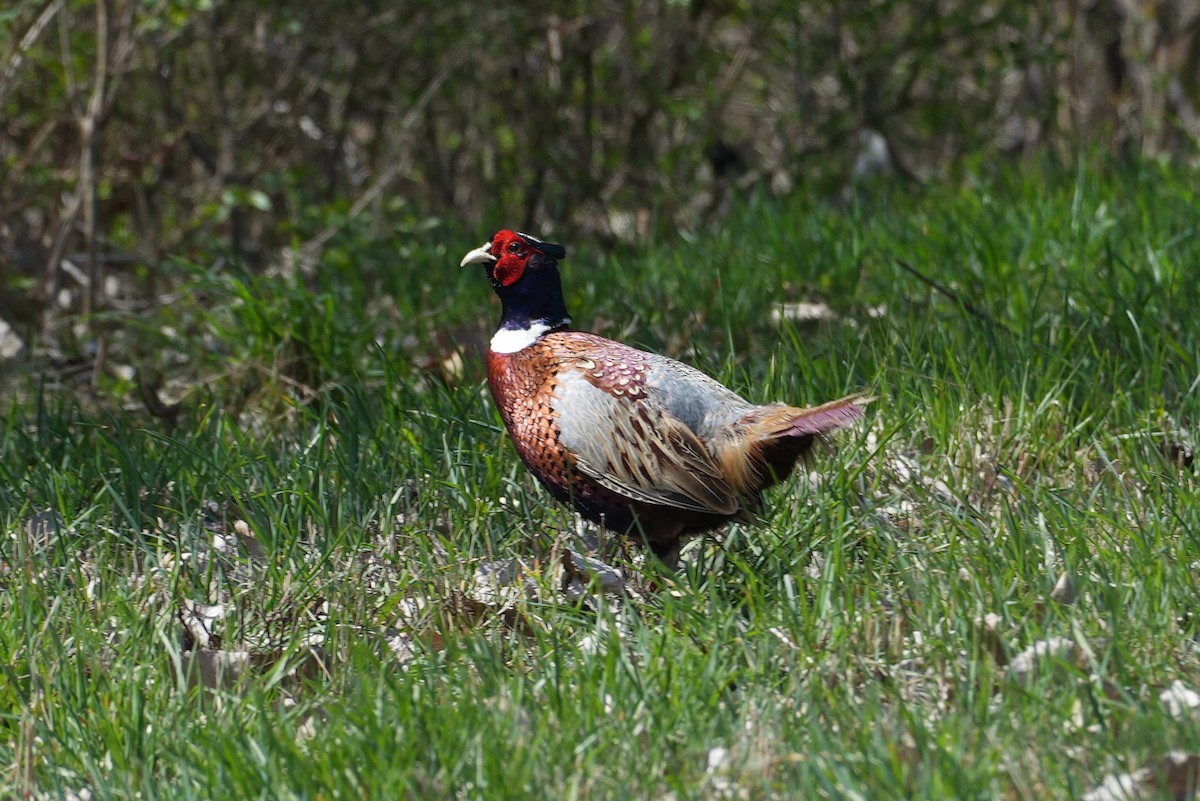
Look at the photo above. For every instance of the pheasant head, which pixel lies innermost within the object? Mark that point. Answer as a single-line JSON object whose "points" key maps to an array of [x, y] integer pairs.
{"points": [[523, 270]]}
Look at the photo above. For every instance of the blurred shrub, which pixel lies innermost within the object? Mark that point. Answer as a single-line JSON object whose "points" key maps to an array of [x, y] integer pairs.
{"points": [[132, 131]]}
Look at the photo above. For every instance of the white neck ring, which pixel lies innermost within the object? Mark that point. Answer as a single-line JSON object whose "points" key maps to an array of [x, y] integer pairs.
{"points": [[511, 340]]}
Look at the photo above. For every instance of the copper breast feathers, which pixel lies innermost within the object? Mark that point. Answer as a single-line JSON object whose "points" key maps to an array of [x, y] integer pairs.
{"points": [[641, 426]]}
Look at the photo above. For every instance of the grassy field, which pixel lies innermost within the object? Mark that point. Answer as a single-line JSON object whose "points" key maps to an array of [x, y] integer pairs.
{"points": [[326, 574]]}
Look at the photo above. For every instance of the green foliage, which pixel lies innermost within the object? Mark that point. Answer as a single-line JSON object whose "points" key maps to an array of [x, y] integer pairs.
{"points": [[138, 135], [838, 649]]}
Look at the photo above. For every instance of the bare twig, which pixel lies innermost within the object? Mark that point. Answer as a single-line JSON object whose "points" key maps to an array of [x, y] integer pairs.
{"points": [[967, 306], [308, 252], [89, 162], [68, 65], [8, 79]]}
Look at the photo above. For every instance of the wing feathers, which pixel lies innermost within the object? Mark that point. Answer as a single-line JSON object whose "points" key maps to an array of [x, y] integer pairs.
{"points": [[651, 457], [636, 447], [641, 438]]}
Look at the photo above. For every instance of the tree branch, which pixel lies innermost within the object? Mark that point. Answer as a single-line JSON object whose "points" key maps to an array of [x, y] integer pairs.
{"points": [[17, 59]]}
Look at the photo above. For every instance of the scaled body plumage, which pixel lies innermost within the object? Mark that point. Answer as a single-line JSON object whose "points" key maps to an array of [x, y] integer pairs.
{"points": [[631, 439]]}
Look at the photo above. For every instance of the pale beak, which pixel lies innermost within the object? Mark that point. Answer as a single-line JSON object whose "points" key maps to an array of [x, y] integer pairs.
{"points": [[477, 255]]}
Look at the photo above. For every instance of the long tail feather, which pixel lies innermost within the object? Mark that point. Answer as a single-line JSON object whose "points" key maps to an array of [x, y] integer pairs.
{"points": [[778, 436], [826, 418], [789, 421]]}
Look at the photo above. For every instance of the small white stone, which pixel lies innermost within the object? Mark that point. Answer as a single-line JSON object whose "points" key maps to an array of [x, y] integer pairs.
{"points": [[1179, 699], [718, 759]]}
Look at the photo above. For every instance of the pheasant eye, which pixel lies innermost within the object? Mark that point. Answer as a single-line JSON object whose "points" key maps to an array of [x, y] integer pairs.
{"points": [[515, 247]]}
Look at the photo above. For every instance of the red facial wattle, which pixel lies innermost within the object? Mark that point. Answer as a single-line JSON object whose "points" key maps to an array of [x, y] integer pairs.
{"points": [[512, 257]]}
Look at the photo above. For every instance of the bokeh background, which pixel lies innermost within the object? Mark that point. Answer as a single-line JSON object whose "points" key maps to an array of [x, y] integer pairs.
{"points": [[137, 134]]}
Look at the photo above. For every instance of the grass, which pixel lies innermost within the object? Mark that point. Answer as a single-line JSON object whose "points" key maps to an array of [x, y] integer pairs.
{"points": [[336, 501]]}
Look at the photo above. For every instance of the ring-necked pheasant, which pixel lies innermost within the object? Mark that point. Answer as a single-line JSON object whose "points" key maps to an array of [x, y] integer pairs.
{"points": [[630, 439]]}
